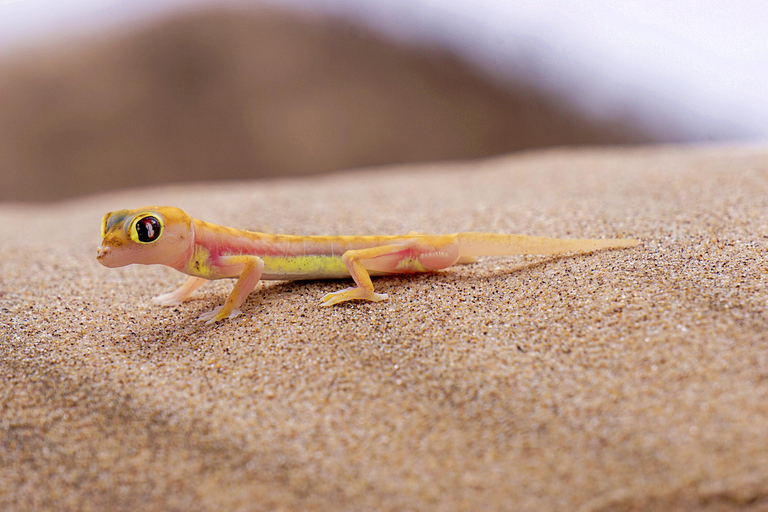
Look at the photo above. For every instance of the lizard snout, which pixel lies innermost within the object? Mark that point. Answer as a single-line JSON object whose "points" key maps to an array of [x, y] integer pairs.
{"points": [[101, 252]]}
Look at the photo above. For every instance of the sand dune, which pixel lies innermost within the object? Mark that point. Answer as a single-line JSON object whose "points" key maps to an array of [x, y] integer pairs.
{"points": [[622, 380], [224, 94]]}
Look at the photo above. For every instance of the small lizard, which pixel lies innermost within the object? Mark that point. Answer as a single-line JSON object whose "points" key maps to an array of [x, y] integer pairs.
{"points": [[169, 236]]}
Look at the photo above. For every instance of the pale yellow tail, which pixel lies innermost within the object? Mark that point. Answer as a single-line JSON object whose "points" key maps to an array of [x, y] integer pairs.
{"points": [[493, 244]]}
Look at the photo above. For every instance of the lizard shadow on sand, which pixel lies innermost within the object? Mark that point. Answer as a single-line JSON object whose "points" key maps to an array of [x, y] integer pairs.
{"points": [[278, 290], [273, 292]]}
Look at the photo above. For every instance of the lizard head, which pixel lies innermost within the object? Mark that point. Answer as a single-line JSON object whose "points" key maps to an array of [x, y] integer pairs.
{"points": [[153, 235]]}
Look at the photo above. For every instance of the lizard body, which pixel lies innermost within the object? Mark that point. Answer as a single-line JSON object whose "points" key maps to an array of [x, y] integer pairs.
{"points": [[169, 236]]}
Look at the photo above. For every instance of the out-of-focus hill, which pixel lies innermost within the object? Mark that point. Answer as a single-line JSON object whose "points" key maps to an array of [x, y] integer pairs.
{"points": [[233, 94]]}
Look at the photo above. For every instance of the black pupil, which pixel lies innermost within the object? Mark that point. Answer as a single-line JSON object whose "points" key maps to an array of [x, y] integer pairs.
{"points": [[148, 229]]}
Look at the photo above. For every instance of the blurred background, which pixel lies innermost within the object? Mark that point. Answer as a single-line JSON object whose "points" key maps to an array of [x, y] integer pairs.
{"points": [[105, 94]]}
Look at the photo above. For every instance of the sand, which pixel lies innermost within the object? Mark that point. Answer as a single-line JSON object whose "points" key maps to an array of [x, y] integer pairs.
{"points": [[622, 380]]}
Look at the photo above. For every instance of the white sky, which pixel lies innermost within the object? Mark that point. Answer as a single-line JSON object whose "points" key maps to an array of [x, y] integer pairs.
{"points": [[693, 67]]}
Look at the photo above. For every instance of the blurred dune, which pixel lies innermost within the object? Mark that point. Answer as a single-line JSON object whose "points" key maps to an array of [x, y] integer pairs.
{"points": [[234, 94]]}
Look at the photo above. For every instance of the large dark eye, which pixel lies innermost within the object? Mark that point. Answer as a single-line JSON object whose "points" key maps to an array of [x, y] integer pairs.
{"points": [[148, 229]]}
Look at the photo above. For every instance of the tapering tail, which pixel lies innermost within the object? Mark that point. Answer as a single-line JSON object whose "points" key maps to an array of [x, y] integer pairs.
{"points": [[493, 244]]}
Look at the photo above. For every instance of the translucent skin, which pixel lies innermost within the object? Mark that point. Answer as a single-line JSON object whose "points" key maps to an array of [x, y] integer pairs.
{"points": [[207, 251]]}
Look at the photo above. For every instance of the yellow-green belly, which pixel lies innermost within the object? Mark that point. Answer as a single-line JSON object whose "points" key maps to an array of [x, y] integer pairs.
{"points": [[303, 267]]}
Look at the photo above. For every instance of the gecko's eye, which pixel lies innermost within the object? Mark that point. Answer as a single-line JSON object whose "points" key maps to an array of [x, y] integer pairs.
{"points": [[147, 229]]}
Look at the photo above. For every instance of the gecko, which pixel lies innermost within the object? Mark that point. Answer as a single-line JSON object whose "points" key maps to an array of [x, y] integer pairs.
{"points": [[168, 236]]}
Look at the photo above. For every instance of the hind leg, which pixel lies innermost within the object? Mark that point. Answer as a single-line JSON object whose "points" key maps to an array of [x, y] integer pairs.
{"points": [[410, 257], [353, 259]]}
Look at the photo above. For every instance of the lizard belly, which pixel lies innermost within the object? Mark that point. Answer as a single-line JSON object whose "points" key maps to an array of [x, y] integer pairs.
{"points": [[303, 267]]}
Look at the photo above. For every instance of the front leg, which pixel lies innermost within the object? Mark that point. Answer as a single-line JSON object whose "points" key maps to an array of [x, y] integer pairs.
{"points": [[249, 269], [181, 294]]}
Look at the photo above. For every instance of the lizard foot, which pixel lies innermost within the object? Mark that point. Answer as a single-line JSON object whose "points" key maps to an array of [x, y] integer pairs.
{"points": [[167, 299], [218, 314], [352, 293]]}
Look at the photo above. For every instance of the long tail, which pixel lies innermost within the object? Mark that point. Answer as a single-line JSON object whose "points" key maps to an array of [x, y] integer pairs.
{"points": [[493, 244]]}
